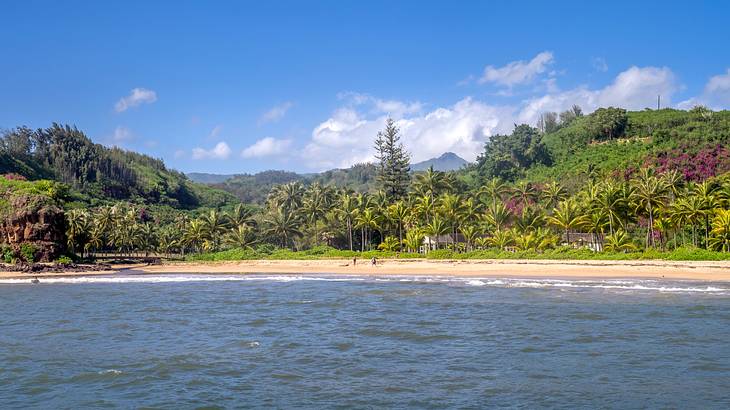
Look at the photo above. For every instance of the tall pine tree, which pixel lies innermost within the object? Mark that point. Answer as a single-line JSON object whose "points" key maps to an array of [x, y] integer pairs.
{"points": [[394, 162]]}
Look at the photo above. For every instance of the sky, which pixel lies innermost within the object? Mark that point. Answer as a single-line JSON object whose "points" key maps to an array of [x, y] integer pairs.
{"points": [[234, 87]]}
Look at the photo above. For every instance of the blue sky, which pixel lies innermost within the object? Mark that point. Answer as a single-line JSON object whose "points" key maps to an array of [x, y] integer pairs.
{"points": [[241, 86]]}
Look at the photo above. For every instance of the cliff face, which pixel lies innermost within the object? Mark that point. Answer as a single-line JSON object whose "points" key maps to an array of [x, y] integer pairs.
{"points": [[31, 220]]}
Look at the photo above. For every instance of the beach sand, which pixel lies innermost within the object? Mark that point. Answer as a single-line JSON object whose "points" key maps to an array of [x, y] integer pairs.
{"points": [[713, 271], [690, 270]]}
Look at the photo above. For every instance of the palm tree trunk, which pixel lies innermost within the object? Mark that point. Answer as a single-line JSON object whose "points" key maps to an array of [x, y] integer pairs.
{"points": [[349, 232]]}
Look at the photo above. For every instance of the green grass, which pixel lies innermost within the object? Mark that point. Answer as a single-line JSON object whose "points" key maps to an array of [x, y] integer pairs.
{"points": [[563, 253]]}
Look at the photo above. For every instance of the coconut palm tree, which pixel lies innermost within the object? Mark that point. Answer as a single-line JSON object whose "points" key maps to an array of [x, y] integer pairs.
{"points": [[497, 216], [242, 236], [240, 215], [650, 195], [368, 222], [436, 228], [552, 193], [721, 230], [413, 240], [450, 210], [214, 224], [619, 241], [314, 207], [525, 192], [493, 191], [501, 239], [470, 233], [398, 212], [430, 183], [567, 216], [389, 244], [347, 210], [282, 225]]}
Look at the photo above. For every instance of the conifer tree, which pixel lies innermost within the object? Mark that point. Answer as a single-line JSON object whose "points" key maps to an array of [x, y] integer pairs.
{"points": [[394, 162]]}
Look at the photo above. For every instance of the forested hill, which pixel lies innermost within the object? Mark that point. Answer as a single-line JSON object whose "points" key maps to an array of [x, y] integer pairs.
{"points": [[97, 173], [609, 143]]}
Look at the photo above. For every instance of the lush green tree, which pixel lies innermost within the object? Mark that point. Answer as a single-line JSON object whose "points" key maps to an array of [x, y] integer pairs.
{"points": [[393, 162]]}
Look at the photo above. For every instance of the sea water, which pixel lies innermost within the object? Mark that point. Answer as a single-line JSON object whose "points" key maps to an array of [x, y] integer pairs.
{"points": [[319, 341]]}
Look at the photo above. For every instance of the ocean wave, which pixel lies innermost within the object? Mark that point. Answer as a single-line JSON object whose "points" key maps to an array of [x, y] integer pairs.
{"points": [[608, 284]]}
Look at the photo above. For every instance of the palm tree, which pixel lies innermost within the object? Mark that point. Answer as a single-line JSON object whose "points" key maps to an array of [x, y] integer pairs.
{"points": [[389, 244], [413, 240], [436, 228], [242, 236], [368, 222], [425, 207], [493, 191], [611, 202], [430, 182], [553, 193], [650, 194], [347, 209], [214, 225], [721, 230], [398, 212], [567, 216], [619, 241], [315, 207], [501, 239], [530, 219], [283, 225], [195, 233], [77, 221], [470, 233], [240, 215], [595, 223], [450, 211], [497, 216], [525, 192], [705, 191]]}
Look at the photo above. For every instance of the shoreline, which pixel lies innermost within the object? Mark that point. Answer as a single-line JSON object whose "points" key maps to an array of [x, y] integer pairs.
{"points": [[718, 271]]}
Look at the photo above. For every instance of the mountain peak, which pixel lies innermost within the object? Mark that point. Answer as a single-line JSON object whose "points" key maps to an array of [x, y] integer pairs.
{"points": [[448, 161]]}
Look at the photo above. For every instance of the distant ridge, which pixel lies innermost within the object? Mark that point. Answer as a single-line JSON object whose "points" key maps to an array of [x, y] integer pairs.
{"points": [[205, 178], [448, 161]]}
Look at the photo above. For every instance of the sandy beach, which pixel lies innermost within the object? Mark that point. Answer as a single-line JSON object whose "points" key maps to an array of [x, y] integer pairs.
{"points": [[689, 270]]}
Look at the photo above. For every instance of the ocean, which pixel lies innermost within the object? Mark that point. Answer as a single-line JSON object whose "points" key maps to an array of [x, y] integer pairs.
{"points": [[320, 341]]}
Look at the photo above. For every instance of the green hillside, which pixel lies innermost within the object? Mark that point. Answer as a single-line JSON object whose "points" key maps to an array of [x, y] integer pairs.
{"points": [[98, 174], [613, 143]]}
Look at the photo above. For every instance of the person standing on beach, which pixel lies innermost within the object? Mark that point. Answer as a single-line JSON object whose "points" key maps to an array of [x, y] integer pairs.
{"points": [[354, 261]]}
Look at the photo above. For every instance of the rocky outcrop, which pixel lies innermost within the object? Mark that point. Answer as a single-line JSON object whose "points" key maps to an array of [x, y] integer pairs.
{"points": [[35, 222]]}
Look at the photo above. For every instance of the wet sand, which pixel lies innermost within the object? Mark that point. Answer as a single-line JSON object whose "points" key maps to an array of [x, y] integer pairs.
{"points": [[689, 270]]}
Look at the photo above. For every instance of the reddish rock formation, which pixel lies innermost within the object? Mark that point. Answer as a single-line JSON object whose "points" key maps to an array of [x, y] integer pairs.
{"points": [[35, 221]]}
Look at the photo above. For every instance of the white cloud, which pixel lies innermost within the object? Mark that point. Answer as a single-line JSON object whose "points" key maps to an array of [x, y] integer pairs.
{"points": [[347, 136], [275, 113], [517, 72], [220, 151], [267, 147], [635, 88], [136, 97], [179, 154], [715, 95], [393, 108]]}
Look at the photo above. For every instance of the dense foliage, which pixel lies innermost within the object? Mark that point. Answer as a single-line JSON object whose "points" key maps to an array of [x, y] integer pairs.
{"points": [[65, 154], [641, 184]]}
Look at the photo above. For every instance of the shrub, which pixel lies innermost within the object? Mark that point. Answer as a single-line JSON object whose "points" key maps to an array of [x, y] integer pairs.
{"points": [[64, 260], [7, 254], [27, 252]]}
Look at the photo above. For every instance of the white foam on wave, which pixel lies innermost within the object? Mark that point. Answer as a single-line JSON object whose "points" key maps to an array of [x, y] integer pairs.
{"points": [[610, 284]]}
